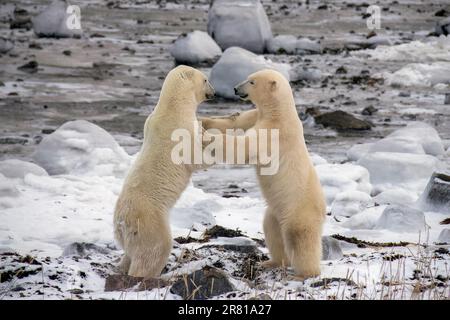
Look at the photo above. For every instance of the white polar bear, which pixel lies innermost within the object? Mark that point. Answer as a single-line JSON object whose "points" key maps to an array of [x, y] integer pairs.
{"points": [[296, 204], [155, 182]]}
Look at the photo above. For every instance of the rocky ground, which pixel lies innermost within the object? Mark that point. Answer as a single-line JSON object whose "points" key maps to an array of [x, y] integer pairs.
{"points": [[111, 76]]}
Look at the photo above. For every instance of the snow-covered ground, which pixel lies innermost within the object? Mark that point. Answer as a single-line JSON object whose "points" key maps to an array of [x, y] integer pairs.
{"points": [[382, 239]]}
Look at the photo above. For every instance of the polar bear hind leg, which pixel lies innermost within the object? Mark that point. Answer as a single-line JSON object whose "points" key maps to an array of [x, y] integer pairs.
{"points": [[274, 241]]}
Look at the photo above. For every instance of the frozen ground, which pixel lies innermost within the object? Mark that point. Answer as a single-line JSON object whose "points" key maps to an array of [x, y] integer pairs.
{"points": [[113, 81]]}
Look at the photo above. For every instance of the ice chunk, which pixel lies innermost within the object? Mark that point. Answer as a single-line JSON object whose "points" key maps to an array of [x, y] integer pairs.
{"points": [[401, 219], [5, 45], [367, 219], [357, 151], [54, 21], [292, 45], [444, 236], [395, 196], [387, 168], [337, 178], [81, 147], [349, 203], [17, 169], [240, 23], [194, 48], [397, 144], [235, 65]]}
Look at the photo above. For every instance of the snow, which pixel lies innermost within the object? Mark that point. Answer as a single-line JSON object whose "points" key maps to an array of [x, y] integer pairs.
{"points": [[292, 45], [420, 74], [401, 219], [336, 178], [444, 236], [194, 48], [67, 217], [436, 49], [235, 65], [81, 147], [52, 22], [396, 196], [241, 23]]}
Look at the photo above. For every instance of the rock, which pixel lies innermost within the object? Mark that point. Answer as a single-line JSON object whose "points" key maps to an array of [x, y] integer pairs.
{"points": [[394, 168], [401, 219], [5, 45], [292, 45], [54, 21], [235, 65], [13, 140], [120, 282], [194, 48], [342, 121], [331, 249], [21, 19], [368, 111], [18, 169], [349, 203], [444, 236], [83, 249], [447, 98], [443, 27], [436, 196], [202, 284], [442, 13], [29, 67], [219, 231], [240, 23], [81, 147], [306, 74]]}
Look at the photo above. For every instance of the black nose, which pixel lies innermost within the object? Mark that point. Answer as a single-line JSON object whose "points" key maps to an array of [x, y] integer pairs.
{"points": [[235, 91]]}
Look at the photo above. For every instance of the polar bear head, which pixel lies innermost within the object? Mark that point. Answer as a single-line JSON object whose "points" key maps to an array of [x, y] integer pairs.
{"points": [[265, 87], [185, 83]]}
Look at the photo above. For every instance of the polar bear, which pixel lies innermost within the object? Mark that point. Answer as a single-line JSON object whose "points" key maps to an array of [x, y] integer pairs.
{"points": [[295, 202], [155, 182]]}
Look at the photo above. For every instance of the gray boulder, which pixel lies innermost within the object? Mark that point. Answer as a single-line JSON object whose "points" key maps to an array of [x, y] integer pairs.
{"points": [[436, 196], [54, 21], [241, 23], [194, 48], [401, 219]]}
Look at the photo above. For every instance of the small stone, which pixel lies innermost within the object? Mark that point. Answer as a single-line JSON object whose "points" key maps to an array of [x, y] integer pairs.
{"points": [[30, 67], [368, 111]]}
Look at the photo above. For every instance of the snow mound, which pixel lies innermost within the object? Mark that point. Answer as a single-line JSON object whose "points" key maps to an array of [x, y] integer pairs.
{"points": [[414, 51], [240, 23], [420, 75], [292, 45], [338, 178], [349, 203], [235, 65], [367, 219], [81, 147], [194, 48], [17, 169], [401, 219], [395, 196], [388, 169], [54, 21]]}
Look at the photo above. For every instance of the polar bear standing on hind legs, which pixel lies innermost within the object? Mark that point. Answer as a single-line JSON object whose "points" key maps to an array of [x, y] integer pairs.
{"points": [[296, 205], [155, 182]]}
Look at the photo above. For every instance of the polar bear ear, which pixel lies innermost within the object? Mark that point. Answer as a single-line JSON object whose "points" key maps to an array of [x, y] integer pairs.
{"points": [[273, 85], [187, 74]]}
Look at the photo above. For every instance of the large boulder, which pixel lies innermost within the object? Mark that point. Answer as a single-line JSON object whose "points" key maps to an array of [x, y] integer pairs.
{"points": [[436, 196], [195, 48], [235, 65], [81, 147], [54, 21], [401, 219], [443, 27], [292, 45], [241, 23], [341, 121]]}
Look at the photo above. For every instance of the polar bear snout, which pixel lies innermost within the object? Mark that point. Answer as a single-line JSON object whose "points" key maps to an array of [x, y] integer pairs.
{"points": [[240, 91]]}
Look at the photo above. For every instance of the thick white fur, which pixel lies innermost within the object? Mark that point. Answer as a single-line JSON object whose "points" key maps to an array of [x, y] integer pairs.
{"points": [[155, 182]]}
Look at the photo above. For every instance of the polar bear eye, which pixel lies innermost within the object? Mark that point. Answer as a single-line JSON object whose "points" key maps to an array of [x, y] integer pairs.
{"points": [[205, 80], [252, 82]]}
